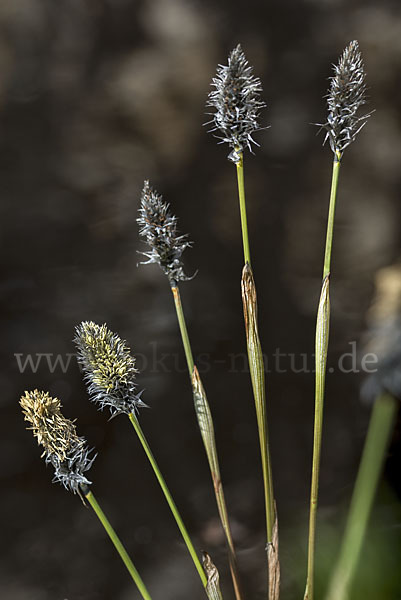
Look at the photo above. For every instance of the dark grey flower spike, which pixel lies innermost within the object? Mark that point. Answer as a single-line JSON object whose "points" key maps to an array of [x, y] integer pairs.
{"points": [[159, 228], [70, 472], [109, 368], [236, 98], [63, 448], [346, 95]]}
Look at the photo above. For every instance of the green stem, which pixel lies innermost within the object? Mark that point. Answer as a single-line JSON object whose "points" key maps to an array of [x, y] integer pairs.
{"points": [[183, 329], [322, 340], [322, 330], [258, 385], [118, 545], [169, 498], [330, 220], [211, 449], [257, 373], [256, 365], [267, 478], [242, 207], [320, 382], [317, 444], [379, 433]]}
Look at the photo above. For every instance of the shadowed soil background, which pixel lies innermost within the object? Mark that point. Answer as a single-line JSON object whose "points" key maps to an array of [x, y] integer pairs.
{"points": [[96, 96]]}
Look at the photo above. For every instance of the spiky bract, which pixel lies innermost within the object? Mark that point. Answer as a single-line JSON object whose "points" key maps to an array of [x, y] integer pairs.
{"points": [[345, 96], [70, 472], [63, 448], [159, 228], [109, 368], [236, 98]]}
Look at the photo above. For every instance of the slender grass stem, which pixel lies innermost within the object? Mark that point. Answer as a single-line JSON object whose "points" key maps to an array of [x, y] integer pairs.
{"points": [[205, 423], [256, 366], [257, 371], [267, 477], [170, 501], [206, 427], [322, 339], [118, 545], [330, 220], [242, 207], [183, 329], [379, 433]]}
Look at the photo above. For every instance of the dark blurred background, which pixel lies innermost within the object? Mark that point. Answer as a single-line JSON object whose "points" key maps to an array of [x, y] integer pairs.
{"points": [[96, 96]]}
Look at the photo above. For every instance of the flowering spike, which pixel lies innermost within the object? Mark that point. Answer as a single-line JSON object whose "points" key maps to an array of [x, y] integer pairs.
{"points": [[109, 368], [159, 227], [70, 472], [63, 448], [236, 98], [346, 94]]}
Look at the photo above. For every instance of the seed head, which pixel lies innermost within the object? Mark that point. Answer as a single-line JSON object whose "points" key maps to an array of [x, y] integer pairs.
{"points": [[52, 430], [159, 228], [237, 103], [345, 96], [70, 472], [109, 368], [63, 448]]}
